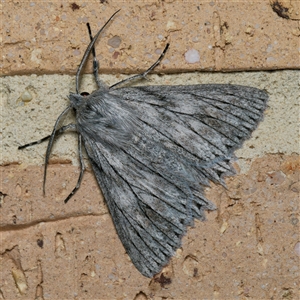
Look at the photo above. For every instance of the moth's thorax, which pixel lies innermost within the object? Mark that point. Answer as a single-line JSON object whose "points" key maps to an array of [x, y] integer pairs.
{"points": [[103, 117]]}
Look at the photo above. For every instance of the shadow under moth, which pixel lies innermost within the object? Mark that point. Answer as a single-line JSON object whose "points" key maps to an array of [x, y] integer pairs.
{"points": [[153, 149]]}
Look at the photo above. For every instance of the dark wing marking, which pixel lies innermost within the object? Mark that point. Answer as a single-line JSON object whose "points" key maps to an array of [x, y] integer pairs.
{"points": [[178, 139]]}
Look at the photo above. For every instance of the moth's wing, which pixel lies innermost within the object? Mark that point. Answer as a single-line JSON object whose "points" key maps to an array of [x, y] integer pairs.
{"points": [[151, 211], [203, 123], [182, 137], [151, 192]]}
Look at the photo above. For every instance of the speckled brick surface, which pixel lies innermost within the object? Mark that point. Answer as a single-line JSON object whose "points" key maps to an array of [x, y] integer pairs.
{"points": [[50, 37], [249, 248]]}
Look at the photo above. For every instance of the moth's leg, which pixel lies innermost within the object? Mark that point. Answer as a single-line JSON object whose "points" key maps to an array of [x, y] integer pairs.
{"points": [[143, 75], [58, 132], [82, 168], [95, 61]]}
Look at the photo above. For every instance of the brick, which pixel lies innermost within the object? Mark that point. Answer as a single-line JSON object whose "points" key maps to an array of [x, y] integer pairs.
{"points": [[72, 250], [50, 37]]}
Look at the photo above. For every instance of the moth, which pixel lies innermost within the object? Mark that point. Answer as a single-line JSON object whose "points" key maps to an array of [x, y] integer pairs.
{"points": [[154, 149]]}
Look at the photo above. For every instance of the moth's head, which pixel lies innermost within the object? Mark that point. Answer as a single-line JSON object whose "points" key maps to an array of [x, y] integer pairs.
{"points": [[77, 99]]}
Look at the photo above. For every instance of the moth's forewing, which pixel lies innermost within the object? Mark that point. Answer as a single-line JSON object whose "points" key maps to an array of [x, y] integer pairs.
{"points": [[179, 138]]}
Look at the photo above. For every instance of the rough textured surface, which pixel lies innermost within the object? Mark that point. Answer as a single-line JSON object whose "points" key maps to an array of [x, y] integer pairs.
{"points": [[277, 133], [50, 37], [248, 249]]}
